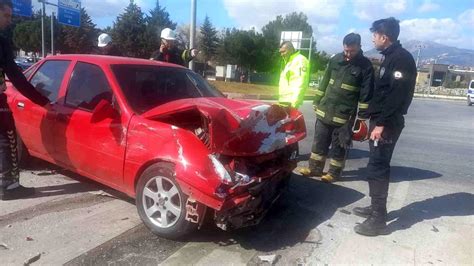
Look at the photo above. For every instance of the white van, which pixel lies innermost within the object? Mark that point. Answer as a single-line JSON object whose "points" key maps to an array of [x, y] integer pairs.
{"points": [[470, 93]]}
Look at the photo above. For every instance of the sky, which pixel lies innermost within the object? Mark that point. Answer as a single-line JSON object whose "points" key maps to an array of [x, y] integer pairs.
{"points": [[449, 22]]}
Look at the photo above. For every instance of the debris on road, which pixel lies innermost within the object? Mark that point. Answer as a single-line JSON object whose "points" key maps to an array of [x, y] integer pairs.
{"points": [[124, 219], [45, 173], [434, 229], [330, 225], [32, 259], [3, 246], [272, 259], [29, 238], [345, 212]]}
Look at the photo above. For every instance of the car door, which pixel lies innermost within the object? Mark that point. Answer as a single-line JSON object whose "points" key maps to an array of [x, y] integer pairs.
{"points": [[92, 147], [35, 123]]}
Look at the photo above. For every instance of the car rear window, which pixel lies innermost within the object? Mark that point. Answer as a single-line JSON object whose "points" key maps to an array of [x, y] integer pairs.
{"points": [[146, 87]]}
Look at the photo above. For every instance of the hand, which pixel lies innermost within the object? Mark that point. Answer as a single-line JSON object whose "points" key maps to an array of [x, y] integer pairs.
{"points": [[376, 134], [194, 52], [315, 108]]}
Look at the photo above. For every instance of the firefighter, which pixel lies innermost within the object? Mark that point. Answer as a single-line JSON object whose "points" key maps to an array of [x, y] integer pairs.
{"points": [[170, 53], [294, 78], [393, 93], [10, 187], [345, 92]]}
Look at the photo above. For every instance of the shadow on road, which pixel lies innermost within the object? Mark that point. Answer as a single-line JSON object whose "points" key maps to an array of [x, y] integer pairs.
{"points": [[397, 174], [456, 204], [305, 205]]}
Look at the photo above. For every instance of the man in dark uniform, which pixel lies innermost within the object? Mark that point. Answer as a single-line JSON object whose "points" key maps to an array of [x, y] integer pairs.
{"points": [[9, 173], [168, 51], [347, 86], [394, 88]]}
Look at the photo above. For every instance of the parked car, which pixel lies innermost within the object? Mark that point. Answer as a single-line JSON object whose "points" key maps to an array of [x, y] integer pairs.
{"points": [[159, 133], [470, 93], [24, 62]]}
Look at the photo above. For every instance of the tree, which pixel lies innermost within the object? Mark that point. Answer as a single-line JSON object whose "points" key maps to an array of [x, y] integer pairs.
{"points": [[129, 32], [156, 21], [208, 40], [27, 34], [80, 40]]}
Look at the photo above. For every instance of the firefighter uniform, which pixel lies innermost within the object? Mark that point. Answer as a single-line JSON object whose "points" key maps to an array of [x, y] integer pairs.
{"points": [[394, 88], [294, 80], [347, 86]]}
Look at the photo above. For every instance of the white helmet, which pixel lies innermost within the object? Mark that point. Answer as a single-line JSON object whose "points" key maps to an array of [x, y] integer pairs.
{"points": [[104, 40], [168, 34]]}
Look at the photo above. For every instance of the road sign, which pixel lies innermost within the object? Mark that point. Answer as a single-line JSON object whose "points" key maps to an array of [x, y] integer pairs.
{"points": [[295, 37], [69, 12], [22, 8]]}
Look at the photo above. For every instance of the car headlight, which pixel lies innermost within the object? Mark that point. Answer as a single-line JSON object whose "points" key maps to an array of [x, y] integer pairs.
{"points": [[220, 170]]}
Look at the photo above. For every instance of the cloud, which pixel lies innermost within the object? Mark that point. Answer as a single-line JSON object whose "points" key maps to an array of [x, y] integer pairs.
{"points": [[370, 10], [467, 18], [248, 13], [428, 6]]}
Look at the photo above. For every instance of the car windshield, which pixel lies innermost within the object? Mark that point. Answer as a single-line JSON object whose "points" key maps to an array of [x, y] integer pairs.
{"points": [[146, 87]]}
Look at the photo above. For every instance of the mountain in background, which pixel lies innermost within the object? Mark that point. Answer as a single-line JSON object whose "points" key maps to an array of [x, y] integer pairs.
{"points": [[432, 52]]}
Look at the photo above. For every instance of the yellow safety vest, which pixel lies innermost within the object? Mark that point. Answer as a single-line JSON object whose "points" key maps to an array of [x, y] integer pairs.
{"points": [[294, 80]]}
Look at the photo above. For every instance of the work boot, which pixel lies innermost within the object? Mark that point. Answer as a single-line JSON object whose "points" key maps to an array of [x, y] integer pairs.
{"points": [[16, 191], [374, 225], [306, 171], [328, 178], [363, 212]]}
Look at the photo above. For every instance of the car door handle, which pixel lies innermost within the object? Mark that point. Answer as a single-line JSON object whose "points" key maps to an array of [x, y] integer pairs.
{"points": [[20, 105]]}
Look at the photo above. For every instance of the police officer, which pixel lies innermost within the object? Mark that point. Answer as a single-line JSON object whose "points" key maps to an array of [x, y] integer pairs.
{"points": [[9, 173], [294, 78], [394, 88], [168, 51], [347, 86]]}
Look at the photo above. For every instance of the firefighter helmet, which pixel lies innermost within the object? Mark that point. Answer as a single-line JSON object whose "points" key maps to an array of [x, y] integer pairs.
{"points": [[360, 131]]}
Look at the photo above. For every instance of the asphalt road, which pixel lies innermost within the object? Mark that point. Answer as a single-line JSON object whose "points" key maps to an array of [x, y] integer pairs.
{"points": [[431, 203]]}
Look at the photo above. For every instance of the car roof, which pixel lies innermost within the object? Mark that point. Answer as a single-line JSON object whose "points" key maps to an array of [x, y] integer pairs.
{"points": [[111, 60]]}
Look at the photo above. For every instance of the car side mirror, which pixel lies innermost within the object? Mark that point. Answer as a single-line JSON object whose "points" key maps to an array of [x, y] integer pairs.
{"points": [[103, 110]]}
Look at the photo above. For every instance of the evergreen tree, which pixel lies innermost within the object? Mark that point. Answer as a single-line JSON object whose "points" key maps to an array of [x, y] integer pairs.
{"points": [[208, 40], [129, 32]]}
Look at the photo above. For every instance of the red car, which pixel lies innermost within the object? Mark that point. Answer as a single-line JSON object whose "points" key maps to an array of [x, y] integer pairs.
{"points": [[159, 133]]}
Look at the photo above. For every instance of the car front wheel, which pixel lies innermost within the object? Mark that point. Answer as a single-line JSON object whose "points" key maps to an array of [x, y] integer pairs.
{"points": [[469, 101], [160, 202]]}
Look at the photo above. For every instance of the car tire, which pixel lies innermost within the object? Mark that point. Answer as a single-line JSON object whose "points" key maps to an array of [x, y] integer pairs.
{"points": [[162, 208], [469, 102]]}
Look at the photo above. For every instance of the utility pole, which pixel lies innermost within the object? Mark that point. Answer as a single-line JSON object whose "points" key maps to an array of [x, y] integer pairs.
{"points": [[192, 30], [43, 48], [52, 33]]}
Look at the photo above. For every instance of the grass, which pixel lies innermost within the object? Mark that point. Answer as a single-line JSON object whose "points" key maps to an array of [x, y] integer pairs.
{"points": [[249, 89]]}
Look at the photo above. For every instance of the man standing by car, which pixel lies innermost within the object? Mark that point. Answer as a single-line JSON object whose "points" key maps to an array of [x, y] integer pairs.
{"points": [[394, 88], [10, 187], [347, 86], [170, 53], [106, 46], [294, 78]]}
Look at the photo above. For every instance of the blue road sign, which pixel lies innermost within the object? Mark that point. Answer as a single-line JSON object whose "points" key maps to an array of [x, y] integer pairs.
{"points": [[69, 12], [22, 8]]}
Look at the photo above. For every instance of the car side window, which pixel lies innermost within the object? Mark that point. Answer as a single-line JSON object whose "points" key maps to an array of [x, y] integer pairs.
{"points": [[47, 80], [87, 87]]}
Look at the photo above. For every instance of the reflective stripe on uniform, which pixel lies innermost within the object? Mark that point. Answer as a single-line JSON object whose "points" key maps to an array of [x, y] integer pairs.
{"points": [[339, 120], [336, 163], [331, 81], [317, 157], [349, 87], [319, 93], [320, 113], [363, 105]]}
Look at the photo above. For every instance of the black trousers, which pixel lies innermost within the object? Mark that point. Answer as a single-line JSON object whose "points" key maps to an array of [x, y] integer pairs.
{"points": [[379, 164], [9, 170], [324, 138]]}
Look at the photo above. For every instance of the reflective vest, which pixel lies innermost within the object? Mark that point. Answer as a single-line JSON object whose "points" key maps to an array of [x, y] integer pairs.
{"points": [[294, 80]]}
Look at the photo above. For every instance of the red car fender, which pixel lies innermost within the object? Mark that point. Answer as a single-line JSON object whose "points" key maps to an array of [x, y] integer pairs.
{"points": [[150, 141]]}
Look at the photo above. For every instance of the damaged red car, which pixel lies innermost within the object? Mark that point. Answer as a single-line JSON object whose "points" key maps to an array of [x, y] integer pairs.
{"points": [[161, 134]]}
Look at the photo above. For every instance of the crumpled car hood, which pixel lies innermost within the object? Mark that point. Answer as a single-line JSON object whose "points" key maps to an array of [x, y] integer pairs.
{"points": [[240, 127]]}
